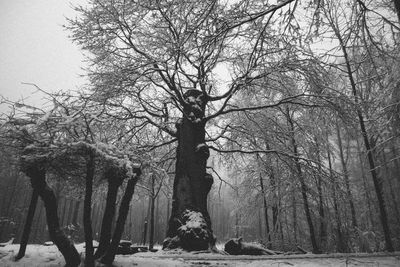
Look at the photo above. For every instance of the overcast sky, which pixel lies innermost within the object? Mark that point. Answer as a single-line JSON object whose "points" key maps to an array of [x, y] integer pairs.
{"points": [[35, 48]]}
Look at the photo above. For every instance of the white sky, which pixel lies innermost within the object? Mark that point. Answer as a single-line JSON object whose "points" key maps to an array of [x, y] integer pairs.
{"points": [[35, 48]]}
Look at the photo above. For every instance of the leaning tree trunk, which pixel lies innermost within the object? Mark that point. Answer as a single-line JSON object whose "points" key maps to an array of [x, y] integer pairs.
{"points": [[64, 245], [113, 176], [109, 256], [190, 225], [377, 180], [28, 225]]}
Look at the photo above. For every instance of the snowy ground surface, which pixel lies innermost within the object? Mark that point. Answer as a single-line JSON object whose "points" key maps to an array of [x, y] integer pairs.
{"points": [[38, 255]]}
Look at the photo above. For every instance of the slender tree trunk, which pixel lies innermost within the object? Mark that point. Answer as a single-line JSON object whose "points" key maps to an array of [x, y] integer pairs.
{"points": [[396, 162], [36, 237], [113, 176], [66, 247], [146, 223], [76, 213], [157, 219], [321, 211], [294, 215], [10, 205], [366, 189], [28, 225], [260, 233], [275, 199], [144, 234], [109, 256], [19, 228], [391, 187], [375, 177], [192, 184], [168, 209], [341, 244], [275, 209], [152, 197], [70, 211], [265, 212], [303, 187], [346, 179], [87, 210]]}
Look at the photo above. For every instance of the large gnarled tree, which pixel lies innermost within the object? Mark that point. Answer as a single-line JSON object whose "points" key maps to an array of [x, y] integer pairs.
{"points": [[159, 63]]}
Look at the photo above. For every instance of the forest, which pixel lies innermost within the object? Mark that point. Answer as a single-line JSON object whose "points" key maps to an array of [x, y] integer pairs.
{"points": [[277, 122]]}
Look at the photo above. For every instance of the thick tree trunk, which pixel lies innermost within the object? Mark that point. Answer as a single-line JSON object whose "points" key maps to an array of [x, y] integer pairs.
{"points": [[65, 246], [87, 210], [28, 225], [109, 256], [192, 184], [114, 182]]}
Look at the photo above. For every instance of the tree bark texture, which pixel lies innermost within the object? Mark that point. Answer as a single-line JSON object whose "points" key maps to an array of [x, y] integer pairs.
{"points": [[28, 225], [65, 246], [192, 184], [114, 182]]}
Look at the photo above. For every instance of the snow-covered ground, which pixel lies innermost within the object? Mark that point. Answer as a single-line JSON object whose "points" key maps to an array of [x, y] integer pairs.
{"points": [[38, 255]]}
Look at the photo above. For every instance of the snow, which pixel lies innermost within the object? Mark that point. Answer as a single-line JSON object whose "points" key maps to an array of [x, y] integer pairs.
{"points": [[201, 146], [39, 255], [194, 220]]}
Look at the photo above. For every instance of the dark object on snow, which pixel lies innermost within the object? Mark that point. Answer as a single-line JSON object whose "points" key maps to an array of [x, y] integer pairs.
{"points": [[125, 243], [124, 248], [48, 243], [237, 247], [129, 250]]}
